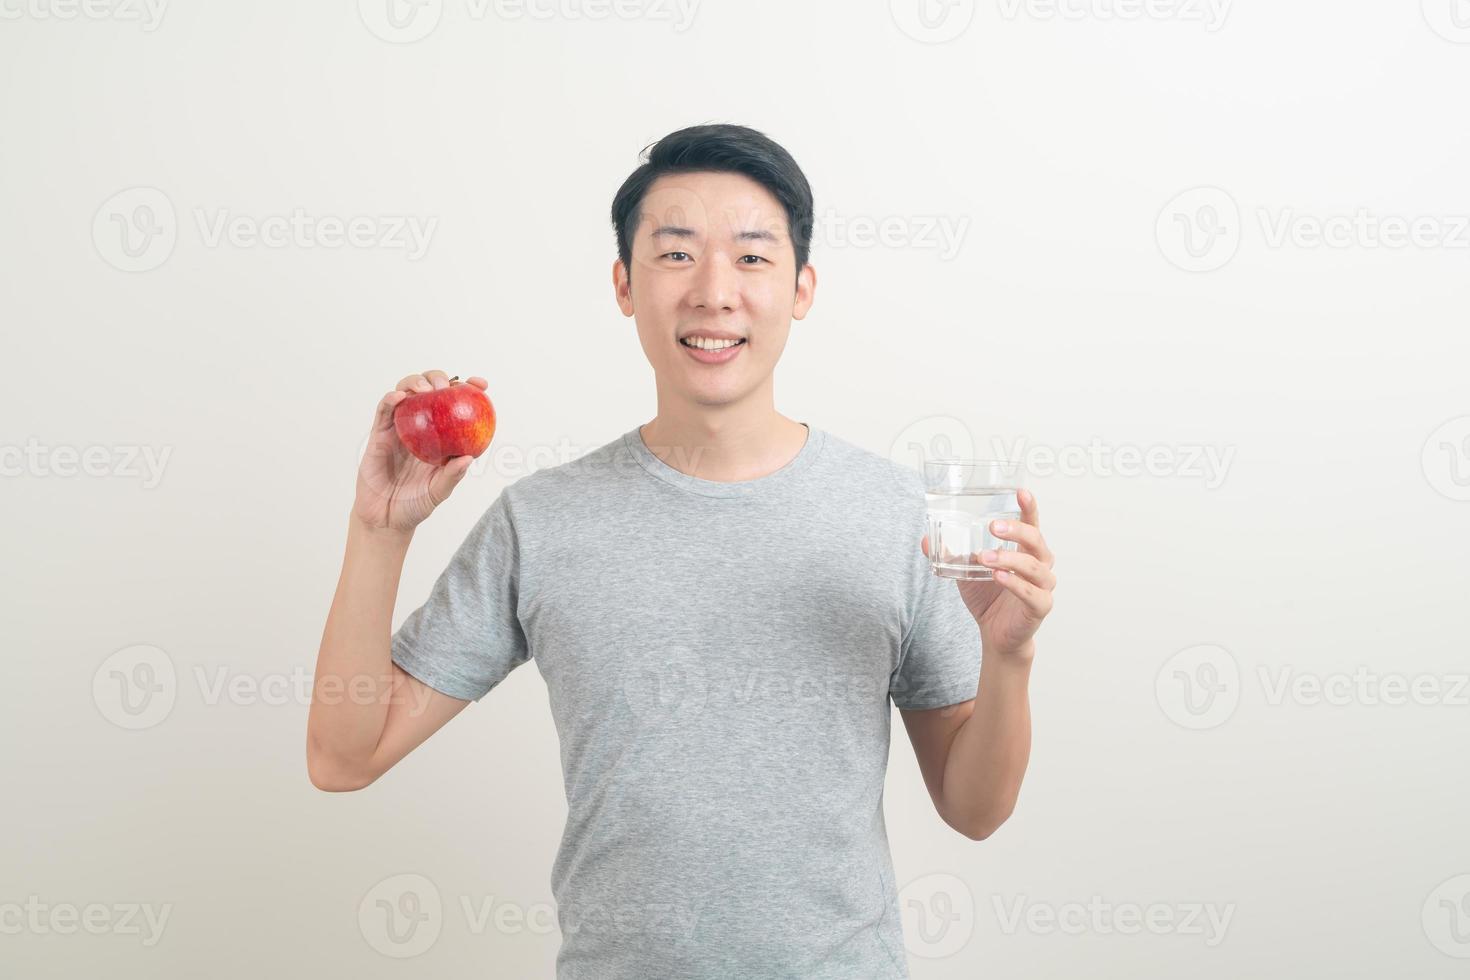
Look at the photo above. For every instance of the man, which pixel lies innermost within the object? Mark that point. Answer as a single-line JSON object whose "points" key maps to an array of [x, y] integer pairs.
{"points": [[722, 602]]}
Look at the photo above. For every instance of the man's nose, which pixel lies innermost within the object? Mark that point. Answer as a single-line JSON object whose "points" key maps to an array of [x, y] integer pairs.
{"points": [[715, 286]]}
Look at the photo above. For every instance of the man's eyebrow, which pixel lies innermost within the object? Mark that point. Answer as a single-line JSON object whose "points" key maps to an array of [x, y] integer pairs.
{"points": [[679, 231]]}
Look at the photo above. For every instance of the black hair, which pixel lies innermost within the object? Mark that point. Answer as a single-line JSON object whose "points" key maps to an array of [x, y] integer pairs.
{"points": [[721, 148]]}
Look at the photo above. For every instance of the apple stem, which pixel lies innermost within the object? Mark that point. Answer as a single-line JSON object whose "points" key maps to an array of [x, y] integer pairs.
{"points": [[454, 379]]}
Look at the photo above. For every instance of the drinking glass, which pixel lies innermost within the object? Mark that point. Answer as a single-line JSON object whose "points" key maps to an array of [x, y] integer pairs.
{"points": [[963, 497]]}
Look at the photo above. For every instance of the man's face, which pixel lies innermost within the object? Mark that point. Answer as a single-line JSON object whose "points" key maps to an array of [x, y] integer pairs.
{"points": [[712, 255]]}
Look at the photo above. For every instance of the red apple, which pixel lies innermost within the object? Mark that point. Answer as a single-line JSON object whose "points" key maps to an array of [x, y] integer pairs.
{"points": [[446, 422]]}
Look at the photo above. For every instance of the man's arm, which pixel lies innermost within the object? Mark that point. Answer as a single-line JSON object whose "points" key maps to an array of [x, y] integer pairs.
{"points": [[367, 713], [974, 754]]}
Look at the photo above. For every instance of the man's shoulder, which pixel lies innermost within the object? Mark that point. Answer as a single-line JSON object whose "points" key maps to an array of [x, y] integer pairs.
{"points": [[551, 485], [872, 471]]}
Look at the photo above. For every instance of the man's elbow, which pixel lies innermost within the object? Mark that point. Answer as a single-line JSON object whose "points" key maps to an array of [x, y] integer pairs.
{"points": [[335, 782], [334, 778], [979, 829], [978, 833]]}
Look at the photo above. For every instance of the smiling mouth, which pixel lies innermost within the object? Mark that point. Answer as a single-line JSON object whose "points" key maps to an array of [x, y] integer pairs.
{"points": [[686, 343], [714, 356]]}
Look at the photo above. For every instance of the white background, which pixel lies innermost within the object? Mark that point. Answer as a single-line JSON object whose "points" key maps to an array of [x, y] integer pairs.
{"points": [[1331, 547]]}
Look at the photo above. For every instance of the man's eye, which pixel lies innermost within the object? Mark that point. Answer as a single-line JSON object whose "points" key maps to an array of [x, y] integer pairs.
{"points": [[758, 258], [668, 254]]}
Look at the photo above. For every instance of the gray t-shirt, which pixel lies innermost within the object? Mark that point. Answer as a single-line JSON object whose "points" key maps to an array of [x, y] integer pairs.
{"points": [[719, 659]]}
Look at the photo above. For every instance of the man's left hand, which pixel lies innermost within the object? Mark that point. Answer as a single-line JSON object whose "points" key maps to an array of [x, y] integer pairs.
{"points": [[1010, 609]]}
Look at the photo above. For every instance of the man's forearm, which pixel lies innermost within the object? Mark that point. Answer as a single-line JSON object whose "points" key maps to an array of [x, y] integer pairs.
{"points": [[354, 672], [988, 757]]}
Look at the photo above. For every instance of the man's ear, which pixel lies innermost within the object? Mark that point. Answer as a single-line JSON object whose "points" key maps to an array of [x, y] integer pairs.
{"points": [[622, 287], [806, 291]]}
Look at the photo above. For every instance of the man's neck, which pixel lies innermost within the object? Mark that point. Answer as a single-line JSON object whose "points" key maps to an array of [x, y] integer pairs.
{"points": [[724, 448]]}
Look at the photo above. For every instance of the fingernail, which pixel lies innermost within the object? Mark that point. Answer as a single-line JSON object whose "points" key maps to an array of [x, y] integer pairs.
{"points": [[988, 557], [1000, 527]]}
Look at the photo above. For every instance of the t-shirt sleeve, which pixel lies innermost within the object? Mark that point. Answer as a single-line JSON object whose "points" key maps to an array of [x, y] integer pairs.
{"points": [[939, 658], [467, 636]]}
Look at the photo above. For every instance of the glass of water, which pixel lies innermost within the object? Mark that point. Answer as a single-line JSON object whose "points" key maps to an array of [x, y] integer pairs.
{"points": [[963, 497]]}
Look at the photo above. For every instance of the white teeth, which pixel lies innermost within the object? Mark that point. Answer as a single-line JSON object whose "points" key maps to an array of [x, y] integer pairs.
{"points": [[704, 343]]}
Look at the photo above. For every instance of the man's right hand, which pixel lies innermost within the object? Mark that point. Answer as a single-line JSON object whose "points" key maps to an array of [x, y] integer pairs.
{"points": [[396, 490]]}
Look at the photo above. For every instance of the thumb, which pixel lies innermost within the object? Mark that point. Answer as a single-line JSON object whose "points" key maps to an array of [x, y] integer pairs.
{"points": [[444, 479]]}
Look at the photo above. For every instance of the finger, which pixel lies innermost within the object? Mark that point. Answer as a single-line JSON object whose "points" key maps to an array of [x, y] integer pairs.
{"points": [[1037, 601], [383, 417], [1027, 566], [437, 378], [445, 478], [1030, 514], [415, 382], [924, 545], [1025, 535], [478, 382]]}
